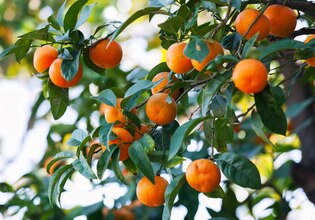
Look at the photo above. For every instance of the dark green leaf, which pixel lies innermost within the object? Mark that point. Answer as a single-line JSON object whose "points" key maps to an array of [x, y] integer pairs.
{"points": [[239, 170], [69, 68], [22, 47], [77, 137], [135, 16], [211, 89], [131, 167], [224, 130], [108, 97], [133, 118], [258, 126], [103, 162], [196, 49], [217, 193], [54, 181], [181, 135], [140, 158], [59, 156], [249, 44], [161, 67], [83, 168], [271, 114], [62, 181], [235, 3], [84, 15], [139, 86], [171, 193], [231, 41], [40, 34], [104, 133], [147, 143], [281, 45], [59, 100], [53, 22], [60, 14], [8, 51], [71, 16], [131, 102], [5, 187], [305, 53], [116, 167]]}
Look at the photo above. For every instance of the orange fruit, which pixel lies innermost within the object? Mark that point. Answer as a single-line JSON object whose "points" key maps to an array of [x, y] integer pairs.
{"points": [[159, 110], [282, 20], [203, 175], [164, 81], [176, 60], [123, 141], [106, 55], [310, 61], [123, 214], [250, 76], [150, 194], [139, 133], [43, 58], [246, 18], [113, 114], [56, 77], [215, 49]]}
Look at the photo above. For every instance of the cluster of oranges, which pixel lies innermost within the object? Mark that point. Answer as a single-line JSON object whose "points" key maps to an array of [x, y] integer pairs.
{"points": [[101, 53]]}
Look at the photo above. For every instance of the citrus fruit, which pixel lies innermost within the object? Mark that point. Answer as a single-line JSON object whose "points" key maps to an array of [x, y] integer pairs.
{"points": [[123, 140], [176, 60], [150, 194], [203, 175], [43, 58], [164, 81], [310, 61]]}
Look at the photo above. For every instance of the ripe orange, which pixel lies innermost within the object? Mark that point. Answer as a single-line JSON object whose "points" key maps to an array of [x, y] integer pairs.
{"points": [[149, 194], [106, 55], [139, 133], [215, 49], [159, 110], [310, 61], [56, 77], [164, 81], [123, 141], [113, 114], [246, 18], [43, 57], [282, 20], [176, 60], [250, 76], [203, 175]]}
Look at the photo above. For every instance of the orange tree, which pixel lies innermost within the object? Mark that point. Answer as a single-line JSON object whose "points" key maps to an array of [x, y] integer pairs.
{"points": [[232, 68]]}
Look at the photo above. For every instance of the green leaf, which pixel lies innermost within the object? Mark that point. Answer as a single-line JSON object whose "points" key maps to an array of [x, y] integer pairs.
{"points": [[196, 49], [59, 100], [40, 34], [305, 53], [147, 143], [133, 118], [69, 68], [161, 67], [77, 137], [104, 134], [82, 166], [249, 44], [103, 162], [135, 16], [211, 89], [217, 193], [142, 86], [270, 112], [5, 188], [281, 45], [258, 126], [130, 102], [232, 41], [224, 130], [239, 170], [235, 3], [108, 97], [131, 167], [170, 194], [59, 156], [173, 162], [84, 15], [62, 181], [71, 16], [181, 135], [140, 158], [54, 181], [8, 51], [23, 46], [116, 167], [53, 22], [60, 13]]}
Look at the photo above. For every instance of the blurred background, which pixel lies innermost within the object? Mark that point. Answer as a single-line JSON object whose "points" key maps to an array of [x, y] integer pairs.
{"points": [[29, 136]]}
